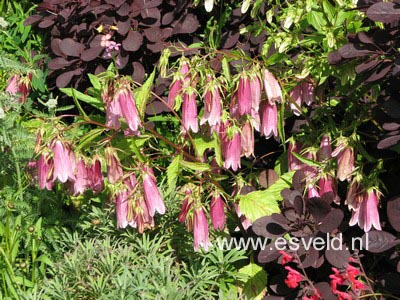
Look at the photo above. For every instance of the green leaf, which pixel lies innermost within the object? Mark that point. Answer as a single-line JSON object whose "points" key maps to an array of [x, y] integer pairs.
{"points": [[329, 10], [317, 20], [70, 92], [195, 166], [306, 161], [45, 259], [90, 136], [201, 144], [255, 285], [264, 203], [142, 94], [172, 173], [95, 81]]}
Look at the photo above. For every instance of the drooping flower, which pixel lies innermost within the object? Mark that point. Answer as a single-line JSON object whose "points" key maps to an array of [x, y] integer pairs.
{"points": [[345, 159], [152, 195], [174, 90], [128, 107], [186, 209], [327, 184], [255, 89], [189, 112], [366, 215], [247, 139], [13, 85], [114, 168], [81, 181], [293, 278], [272, 87], [96, 176], [200, 230], [244, 96], [212, 107], [122, 209], [217, 212], [113, 113], [294, 163], [325, 149], [269, 120], [19, 84], [312, 192], [208, 5], [302, 93], [45, 172], [64, 162], [246, 223], [231, 148]]}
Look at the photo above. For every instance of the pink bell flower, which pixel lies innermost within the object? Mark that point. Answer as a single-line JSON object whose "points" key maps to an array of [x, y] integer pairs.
{"points": [[45, 169], [244, 96], [247, 140], [345, 160], [272, 87], [212, 107], [81, 181], [174, 90], [269, 120], [152, 195], [114, 168], [217, 212], [231, 149], [64, 162], [128, 108], [96, 176], [200, 230], [189, 112], [325, 149], [366, 214]]}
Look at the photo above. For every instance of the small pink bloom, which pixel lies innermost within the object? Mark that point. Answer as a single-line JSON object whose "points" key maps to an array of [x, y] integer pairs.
{"points": [[142, 216], [354, 194], [345, 158], [122, 209], [302, 93], [325, 149], [312, 192], [286, 258], [114, 168], [217, 212], [327, 184], [247, 139], [200, 230], [246, 223], [185, 210], [96, 176], [151, 193], [269, 120], [64, 162], [294, 163], [81, 181], [189, 112], [244, 96], [113, 113], [128, 108], [272, 88], [174, 90], [293, 278], [13, 85], [367, 214], [255, 89], [234, 107], [212, 107], [231, 150], [45, 169]]}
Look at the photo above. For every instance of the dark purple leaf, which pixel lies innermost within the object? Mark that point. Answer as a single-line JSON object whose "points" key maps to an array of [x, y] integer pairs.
{"points": [[331, 221], [391, 126], [45, 23], [269, 254], [366, 66], [151, 17], [393, 211], [392, 108], [334, 57], [364, 38], [133, 41], [71, 48], [318, 209], [65, 78], [379, 241], [124, 27], [55, 47], [58, 63], [267, 227], [124, 10], [379, 73], [156, 47], [309, 257], [389, 142], [167, 18], [188, 25], [385, 12], [299, 181], [325, 290], [351, 51], [138, 72], [267, 178], [154, 34], [91, 53], [122, 61], [32, 20], [338, 258]]}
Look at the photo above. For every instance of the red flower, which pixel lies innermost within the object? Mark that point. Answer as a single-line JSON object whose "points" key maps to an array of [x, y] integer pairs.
{"points": [[286, 258], [293, 278]]}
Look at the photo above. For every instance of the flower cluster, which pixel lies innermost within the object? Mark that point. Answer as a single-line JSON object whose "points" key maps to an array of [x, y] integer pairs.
{"points": [[346, 277], [19, 85]]}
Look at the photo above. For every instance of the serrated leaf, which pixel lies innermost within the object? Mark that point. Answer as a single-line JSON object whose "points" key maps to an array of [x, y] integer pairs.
{"points": [[317, 20], [172, 173], [70, 92], [142, 94], [255, 285], [202, 145], [264, 203]]}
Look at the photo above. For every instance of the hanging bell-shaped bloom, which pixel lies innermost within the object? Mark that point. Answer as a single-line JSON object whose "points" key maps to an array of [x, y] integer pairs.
{"points": [[234, 107], [186, 209], [345, 160], [122, 204], [296, 100], [17, 84], [45, 169], [208, 5], [212, 107], [354, 194], [246, 223], [247, 139], [244, 96], [64, 162], [307, 92], [367, 214], [81, 181], [200, 230], [96, 176], [325, 149], [113, 113], [189, 112], [312, 192], [294, 163], [217, 212], [174, 90], [152, 195], [269, 120], [114, 168], [128, 108], [13, 85], [327, 184], [272, 87], [141, 214], [231, 148], [255, 89]]}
